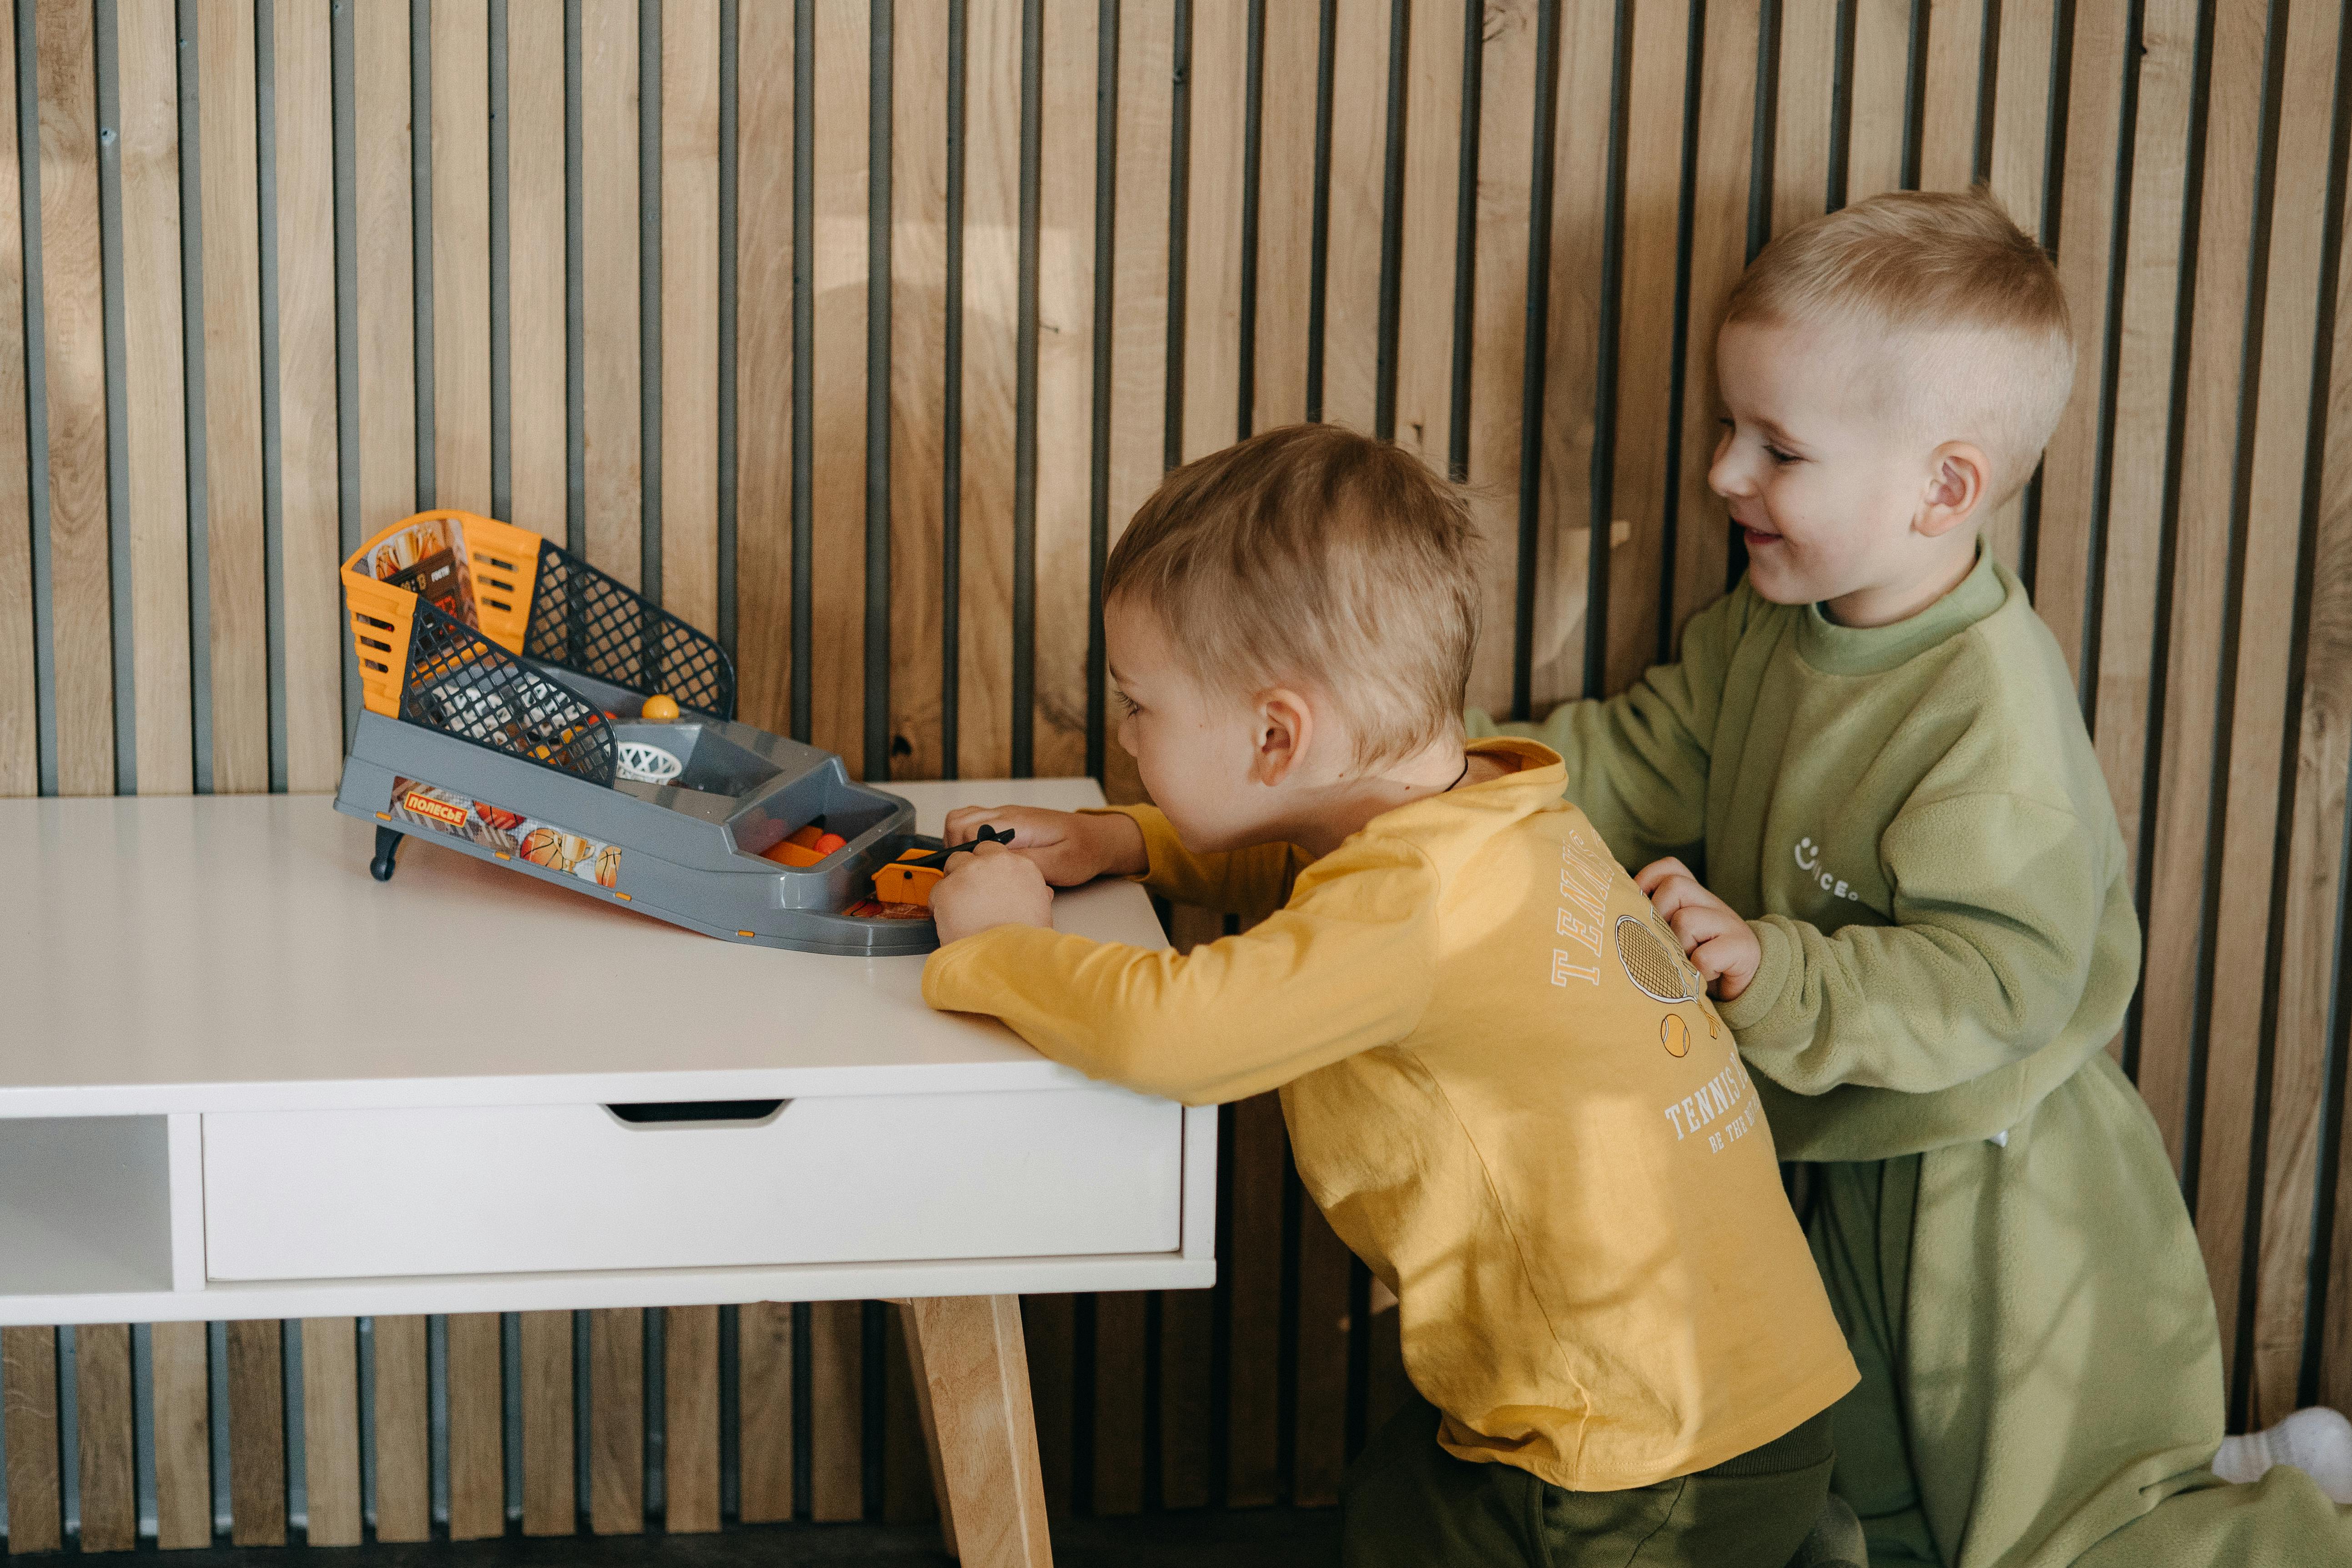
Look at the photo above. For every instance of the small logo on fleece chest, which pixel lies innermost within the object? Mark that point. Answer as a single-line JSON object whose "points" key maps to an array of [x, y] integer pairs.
{"points": [[1809, 861]]}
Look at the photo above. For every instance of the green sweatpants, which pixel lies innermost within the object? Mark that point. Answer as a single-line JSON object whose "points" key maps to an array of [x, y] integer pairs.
{"points": [[2040, 1367], [1408, 1503]]}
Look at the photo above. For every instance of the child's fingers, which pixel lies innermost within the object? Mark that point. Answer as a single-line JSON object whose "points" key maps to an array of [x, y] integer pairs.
{"points": [[1650, 876], [1701, 921]]}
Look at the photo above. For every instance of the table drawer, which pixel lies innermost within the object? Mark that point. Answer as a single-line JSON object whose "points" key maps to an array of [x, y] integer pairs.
{"points": [[348, 1193]]}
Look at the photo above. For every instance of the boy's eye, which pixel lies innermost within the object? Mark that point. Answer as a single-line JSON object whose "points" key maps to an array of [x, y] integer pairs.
{"points": [[1780, 457], [1129, 703]]}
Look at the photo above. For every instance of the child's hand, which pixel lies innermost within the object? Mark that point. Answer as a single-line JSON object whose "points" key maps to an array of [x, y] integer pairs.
{"points": [[990, 885], [1716, 938], [1067, 847]]}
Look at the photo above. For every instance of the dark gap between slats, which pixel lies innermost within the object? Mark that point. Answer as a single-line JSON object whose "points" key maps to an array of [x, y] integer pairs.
{"points": [[502, 280], [874, 1400], [192, 429], [1098, 424], [1384, 373], [273, 446], [1915, 93], [1083, 1391], [1154, 1405], [1762, 141], [2225, 712], [118, 391], [653, 1372], [1678, 375], [2110, 372], [1180, 179], [1318, 240], [729, 184], [420, 175], [584, 1439], [879, 79], [803, 1423], [37, 403], [1024, 403], [1603, 525], [951, 416], [2059, 100], [1841, 103], [511, 1407], [436, 1411], [575, 300], [2169, 519], [1285, 1361], [2322, 1207], [1536, 346], [1987, 77], [1359, 1357], [1253, 153], [1221, 1315], [649, 298], [731, 1347], [1465, 240], [803, 372]]}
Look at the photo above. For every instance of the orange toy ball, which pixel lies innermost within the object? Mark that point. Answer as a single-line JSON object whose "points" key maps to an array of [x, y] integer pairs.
{"points": [[658, 710], [831, 842]]}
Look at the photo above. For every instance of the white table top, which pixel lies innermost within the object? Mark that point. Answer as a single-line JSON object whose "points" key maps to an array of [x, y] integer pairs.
{"points": [[232, 953]]}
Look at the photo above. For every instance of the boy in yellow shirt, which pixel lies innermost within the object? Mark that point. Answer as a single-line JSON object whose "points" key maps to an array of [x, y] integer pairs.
{"points": [[1502, 1084]]}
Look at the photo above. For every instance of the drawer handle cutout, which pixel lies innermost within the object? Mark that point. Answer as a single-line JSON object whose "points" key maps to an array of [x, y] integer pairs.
{"points": [[701, 1112]]}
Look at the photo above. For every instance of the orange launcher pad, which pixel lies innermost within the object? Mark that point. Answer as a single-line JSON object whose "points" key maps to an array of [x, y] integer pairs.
{"points": [[901, 883]]}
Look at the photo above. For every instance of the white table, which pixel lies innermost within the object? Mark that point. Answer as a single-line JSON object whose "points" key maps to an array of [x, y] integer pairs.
{"points": [[240, 1079]]}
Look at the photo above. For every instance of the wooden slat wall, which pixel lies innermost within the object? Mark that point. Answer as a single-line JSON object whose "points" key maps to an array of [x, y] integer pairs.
{"points": [[1050, 247]]}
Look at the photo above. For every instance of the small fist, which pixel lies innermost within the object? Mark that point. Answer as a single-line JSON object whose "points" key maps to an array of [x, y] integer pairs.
{"points": [[1069, 847], [990, 885], [1716, 940]]}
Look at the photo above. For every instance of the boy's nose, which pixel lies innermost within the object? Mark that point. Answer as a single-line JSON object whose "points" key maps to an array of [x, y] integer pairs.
{"points": [[1728, 475]]}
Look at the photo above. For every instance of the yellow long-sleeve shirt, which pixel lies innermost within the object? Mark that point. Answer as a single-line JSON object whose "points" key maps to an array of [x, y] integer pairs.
{"points": [[1507, 1093]]}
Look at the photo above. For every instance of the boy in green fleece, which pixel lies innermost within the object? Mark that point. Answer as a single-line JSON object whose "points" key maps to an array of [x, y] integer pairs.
{"points": [[1865, 801]]}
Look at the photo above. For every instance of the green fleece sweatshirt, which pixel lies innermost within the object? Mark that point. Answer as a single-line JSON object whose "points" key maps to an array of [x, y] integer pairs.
{"points": [[1913, 820]]}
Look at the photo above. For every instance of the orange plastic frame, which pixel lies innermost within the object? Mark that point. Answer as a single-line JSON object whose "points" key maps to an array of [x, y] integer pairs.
{"points": [[505, 561]]}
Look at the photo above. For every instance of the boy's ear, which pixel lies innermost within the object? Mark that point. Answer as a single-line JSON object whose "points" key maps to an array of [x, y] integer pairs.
{"points": [[1286, 726], [1959, 477]]}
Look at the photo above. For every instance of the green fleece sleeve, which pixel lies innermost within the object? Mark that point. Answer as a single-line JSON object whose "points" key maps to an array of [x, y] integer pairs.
{"points": [[1637, 762], [1997, 904]]}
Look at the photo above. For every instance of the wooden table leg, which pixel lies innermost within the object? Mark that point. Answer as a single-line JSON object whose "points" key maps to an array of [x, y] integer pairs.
{"points": [[972, 1382]]}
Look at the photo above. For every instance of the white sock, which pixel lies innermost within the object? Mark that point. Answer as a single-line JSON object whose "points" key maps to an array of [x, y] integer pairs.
{"points": [[2316, 1441]]}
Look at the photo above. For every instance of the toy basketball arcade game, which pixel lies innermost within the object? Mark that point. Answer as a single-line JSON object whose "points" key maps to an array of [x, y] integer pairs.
{"points": [[524, 708]]}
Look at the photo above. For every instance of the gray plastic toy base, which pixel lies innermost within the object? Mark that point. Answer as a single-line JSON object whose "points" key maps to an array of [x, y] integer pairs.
{"points": [[689, 849]]}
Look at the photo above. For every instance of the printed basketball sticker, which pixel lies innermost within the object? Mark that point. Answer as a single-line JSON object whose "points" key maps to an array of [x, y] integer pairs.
{"points": [[1651, 964], [1674, 1034], [505, 832]]}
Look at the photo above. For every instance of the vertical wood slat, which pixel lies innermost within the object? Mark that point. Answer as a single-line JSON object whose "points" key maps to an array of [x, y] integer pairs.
{"points": [[331, 1427], [183, 1450], [689, 310], [28, 1405], [839, 261], [1218, 86], [19, 719], [148, 71], [403, 1459], [232, 249], [690, 1417], [611, 374], [764, 364], [549, 1504], [2018, 135], [1066, 376], [1801, 129], [1116, 1481], [2206, 517], [80, 572], [461, 257], [102, 1409], [918, 322], [475, 1383], [1321, 1446], [1718, 249], [1646, 337], [991, 310], [1948, 116], [1252, 1268], [2063, 564], [1357, 208], [383, 170], [2258, 718], [763, 1338], [836, 1411], [539, 349], [616, 1421], [308, 444], [1507, 105], [257, 1435], [1139, 284], [1426, 256], [1882, 83]]}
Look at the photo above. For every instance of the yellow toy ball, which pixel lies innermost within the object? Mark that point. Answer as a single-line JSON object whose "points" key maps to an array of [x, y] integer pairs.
{"points": [[658, 710]]}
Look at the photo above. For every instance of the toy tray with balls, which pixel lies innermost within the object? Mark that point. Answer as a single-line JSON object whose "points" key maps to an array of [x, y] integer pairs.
{"points": [[524, 708]]}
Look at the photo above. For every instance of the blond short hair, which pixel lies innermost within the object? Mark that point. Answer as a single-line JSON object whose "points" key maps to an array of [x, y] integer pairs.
{"points": [[1937, 264], [1312, 553]]}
